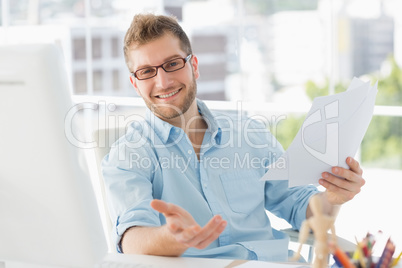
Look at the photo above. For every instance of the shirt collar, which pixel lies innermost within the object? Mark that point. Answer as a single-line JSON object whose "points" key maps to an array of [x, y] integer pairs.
{"points": [[161, 128], [164, 130], [213, 125]]}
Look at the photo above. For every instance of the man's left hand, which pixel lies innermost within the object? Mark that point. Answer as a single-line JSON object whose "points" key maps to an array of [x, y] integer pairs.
{"points": [[342, 184]]}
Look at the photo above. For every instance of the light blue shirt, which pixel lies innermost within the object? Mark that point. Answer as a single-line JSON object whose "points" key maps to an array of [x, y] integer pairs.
{"points": [[156, 160]]}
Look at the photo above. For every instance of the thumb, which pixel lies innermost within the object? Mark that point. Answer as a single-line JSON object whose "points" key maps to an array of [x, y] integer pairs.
{"points": [[168, 208], [159, 205]]}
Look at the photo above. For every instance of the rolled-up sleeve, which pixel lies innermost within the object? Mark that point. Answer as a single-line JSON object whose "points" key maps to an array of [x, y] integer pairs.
{"points": [[128, 175], [288, 203]]}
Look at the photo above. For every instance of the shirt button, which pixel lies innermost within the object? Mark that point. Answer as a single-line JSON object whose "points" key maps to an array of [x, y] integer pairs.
{"points": [[189, 151], [205, 185]]}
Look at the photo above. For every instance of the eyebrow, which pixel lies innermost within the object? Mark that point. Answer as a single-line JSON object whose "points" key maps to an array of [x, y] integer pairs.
{"points": [[175, 56]]}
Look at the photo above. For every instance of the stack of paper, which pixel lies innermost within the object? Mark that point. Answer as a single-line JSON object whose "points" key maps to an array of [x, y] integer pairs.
{"points": [[333, 130]]}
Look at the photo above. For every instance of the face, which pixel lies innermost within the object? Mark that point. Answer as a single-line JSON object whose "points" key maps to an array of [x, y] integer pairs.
{"points": [[168, 95]]}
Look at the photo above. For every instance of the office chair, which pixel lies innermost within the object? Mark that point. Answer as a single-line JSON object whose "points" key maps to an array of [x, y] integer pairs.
{"points": [[344, 244], [104, 139]]}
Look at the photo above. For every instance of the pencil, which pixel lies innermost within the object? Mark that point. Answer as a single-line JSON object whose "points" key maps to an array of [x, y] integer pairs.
{"points": [[395, 262], [359, 254]]}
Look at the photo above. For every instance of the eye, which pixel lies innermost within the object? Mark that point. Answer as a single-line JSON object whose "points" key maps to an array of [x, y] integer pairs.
{"points": [[173, 64], [146, 71]]}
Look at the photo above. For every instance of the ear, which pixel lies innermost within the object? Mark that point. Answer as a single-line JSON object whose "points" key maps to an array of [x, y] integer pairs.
{"points": [[134, 83], [194, 63]]}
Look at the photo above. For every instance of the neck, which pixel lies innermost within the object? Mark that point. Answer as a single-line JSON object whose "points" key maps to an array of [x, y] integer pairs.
{"points": [[189, 121], [194, 125]]}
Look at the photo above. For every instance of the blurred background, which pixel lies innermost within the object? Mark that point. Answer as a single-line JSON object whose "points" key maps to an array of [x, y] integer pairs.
{"points": [[272, 56]]}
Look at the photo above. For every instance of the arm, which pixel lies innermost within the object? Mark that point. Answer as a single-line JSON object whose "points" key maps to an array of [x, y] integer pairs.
{"points": [[151, 241], [179, 233], [341, 186]]}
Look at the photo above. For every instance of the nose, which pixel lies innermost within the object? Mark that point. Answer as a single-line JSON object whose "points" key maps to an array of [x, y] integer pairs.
{"points": [[163, 79]]}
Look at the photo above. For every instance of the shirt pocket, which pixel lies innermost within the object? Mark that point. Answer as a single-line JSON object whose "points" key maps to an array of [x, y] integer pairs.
{"points": [[244, 190]]}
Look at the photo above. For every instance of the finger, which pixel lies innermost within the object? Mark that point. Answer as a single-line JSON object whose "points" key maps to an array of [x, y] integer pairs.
{"points": [[354, 165], [175, 225], [336, 181], [159, 205], [209, 229], [344, 179], [338, 194], [188, 234], [335, 185], [212, 237], [342, 173], [167, 208]]}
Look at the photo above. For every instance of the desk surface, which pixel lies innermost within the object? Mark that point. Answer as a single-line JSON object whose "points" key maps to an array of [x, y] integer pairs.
{"points": [[170, 262], [146, 261], [183, 262]]}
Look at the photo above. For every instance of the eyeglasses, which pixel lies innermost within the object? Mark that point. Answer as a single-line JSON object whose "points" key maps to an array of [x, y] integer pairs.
{"points": [[169, 66]]}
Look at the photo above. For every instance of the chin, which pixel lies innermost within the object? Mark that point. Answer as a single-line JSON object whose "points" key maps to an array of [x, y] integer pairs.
{"points": [[168, 114]]}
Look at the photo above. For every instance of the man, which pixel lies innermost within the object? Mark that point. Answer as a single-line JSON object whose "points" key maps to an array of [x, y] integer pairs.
{"points": [[184, 181]]}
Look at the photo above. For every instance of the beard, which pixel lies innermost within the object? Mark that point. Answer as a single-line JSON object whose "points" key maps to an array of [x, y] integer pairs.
{"points": [[169, 111]]}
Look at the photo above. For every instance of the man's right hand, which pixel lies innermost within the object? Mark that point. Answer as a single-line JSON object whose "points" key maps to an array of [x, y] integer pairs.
{"points": [[185, 229]]}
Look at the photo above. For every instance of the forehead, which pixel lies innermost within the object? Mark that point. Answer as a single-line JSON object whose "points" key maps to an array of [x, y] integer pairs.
{"points": [[155, 52]]}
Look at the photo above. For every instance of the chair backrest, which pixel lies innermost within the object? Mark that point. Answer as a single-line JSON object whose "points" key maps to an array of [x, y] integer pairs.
{"points": [[104, 139]]}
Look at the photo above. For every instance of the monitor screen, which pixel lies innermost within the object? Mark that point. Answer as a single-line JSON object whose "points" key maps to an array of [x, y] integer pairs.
{"points": [[48, 208]]}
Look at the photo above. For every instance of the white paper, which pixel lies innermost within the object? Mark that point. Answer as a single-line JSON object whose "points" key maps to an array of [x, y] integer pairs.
{"points": [[261, 264], [333, 130]]}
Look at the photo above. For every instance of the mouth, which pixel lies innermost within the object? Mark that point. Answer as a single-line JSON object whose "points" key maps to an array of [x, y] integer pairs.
{"points": [[168, 95]]}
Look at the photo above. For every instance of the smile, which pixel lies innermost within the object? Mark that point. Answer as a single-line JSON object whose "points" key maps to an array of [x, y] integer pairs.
{"points": [[168, 95]]}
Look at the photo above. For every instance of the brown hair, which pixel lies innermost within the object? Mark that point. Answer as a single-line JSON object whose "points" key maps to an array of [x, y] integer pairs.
{"points": [[148, 27]]}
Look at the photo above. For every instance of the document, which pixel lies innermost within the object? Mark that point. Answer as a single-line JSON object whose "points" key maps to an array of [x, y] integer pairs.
{"points": [[333, 130], [261, 264]]}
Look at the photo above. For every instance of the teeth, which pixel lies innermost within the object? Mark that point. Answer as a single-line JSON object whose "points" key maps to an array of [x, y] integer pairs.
{"points": [[167, 95]]}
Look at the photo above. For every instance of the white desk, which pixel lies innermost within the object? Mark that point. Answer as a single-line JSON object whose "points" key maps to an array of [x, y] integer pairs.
{"points": [[174, 262], [169, 262]]}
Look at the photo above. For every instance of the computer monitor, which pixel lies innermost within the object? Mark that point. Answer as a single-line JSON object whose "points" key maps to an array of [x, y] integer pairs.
{"points": [[48, 208]]}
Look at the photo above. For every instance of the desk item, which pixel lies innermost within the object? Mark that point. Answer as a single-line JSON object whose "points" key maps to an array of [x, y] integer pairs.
{"points": [[333, 130], [319, 223], [365, 248], [359, 255], [386, 256], [259, 264], [396, 261], [48, 209], [341, 257], [368, 244]]}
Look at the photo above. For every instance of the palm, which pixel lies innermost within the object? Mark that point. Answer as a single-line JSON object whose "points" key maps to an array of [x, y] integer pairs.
{"points": [[185, 229]]}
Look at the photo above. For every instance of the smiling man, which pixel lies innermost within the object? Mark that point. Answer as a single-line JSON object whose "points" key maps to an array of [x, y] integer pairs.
{"points": [[215, 205]]}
